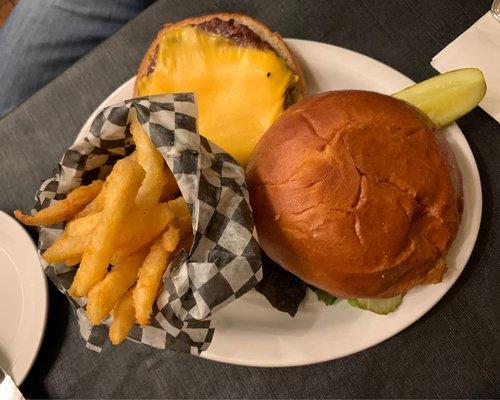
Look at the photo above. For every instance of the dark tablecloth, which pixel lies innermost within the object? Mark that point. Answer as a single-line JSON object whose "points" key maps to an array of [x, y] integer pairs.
{"points": [[451, 352]]}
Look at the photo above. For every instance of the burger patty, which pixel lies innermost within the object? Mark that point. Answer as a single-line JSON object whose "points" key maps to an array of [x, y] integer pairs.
{"points": [[239, 34]]}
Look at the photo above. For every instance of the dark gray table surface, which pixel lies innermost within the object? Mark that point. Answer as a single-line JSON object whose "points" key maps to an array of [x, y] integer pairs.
{"points": [[451, 352]]}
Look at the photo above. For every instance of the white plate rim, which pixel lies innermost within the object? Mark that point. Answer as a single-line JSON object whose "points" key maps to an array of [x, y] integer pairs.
{"points": [[35, 326], [382, 70]]}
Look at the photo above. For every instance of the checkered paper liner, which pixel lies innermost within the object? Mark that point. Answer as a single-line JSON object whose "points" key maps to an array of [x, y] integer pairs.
{"points": [[224, 260]]}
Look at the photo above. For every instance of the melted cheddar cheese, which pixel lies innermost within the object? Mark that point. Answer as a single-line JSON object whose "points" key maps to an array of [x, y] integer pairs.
{"points": [[239, 90]]}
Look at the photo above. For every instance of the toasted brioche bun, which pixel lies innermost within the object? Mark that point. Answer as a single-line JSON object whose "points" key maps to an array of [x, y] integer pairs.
{"points": [[272, 38], [357, 193]]}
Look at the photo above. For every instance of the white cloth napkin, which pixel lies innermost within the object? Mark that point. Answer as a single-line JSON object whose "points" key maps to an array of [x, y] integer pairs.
{"points": [[479, 47]]}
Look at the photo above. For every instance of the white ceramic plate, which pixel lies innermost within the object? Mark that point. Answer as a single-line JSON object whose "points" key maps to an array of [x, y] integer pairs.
{"points": [[23, 299], [250, 332]]}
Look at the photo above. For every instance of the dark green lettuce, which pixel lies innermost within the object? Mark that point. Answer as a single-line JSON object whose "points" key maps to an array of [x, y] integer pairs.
{"points": [[283, 290]]}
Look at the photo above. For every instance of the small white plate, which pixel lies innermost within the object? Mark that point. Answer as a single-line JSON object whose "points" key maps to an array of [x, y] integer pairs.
{"points": [[250, 332], [23, 299]]}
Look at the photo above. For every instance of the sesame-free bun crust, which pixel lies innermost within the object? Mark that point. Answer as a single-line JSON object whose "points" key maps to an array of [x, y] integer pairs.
{"points": [[357, 193], [273, 38]]}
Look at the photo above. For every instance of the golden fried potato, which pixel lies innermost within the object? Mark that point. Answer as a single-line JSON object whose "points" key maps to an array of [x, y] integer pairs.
{"points": [[148, 283], [123, 319], [104, 296], [152, 161], [170, 239], [179, 207], [122, 186], [64, 209], [142, 227], [170, 187], [66, 248], [84, 225], [183, 225], [71, 262], [95, 205], [133, 156], [141, 230]]}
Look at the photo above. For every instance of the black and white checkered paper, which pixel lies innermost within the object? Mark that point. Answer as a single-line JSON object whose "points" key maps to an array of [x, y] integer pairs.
{"points": [[224, 260]]}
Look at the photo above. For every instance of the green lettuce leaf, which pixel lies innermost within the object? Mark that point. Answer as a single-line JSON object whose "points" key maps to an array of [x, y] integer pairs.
{"points": [[323, 296]]}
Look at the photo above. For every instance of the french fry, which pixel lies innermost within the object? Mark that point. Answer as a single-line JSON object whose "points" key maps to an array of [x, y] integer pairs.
{"points": [[123, 318], [71, 262], [64, 209], [95, 205], [105, 295], [183, 225], [133, 156], [170, 187], [170, 239], [66, 248], [142, 230], [84, 225], [120, 222], [148, 283], [179, 207], [152, 161], [122, 186]]}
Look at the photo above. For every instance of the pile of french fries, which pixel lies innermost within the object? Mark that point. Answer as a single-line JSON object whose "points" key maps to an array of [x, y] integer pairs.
{"points": [[121, 235]]}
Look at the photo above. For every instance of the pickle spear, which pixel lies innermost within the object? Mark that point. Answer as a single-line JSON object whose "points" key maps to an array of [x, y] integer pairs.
{"points": [[445, 98], [379, 306]]}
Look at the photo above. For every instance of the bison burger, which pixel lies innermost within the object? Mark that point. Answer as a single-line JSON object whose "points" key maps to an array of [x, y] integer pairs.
{"points": [[243, 75], [357, 193]]}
